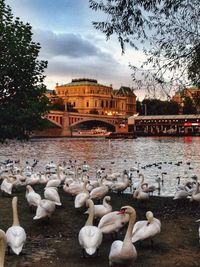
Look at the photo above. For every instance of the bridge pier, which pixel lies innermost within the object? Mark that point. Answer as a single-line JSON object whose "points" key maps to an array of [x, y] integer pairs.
{"points": [[66, 129]]}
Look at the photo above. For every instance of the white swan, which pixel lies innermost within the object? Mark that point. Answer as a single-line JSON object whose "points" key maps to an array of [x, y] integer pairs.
{"points": [[101, 210], [32, 197], [16, 236], [124, 252], [7, 185], [90, 237], [120, 186], [146, 229], [3, 244], [139, 194], [45, 209], [51, 193], [100, 191], [112, 222], [196, 193], [82, 197]]}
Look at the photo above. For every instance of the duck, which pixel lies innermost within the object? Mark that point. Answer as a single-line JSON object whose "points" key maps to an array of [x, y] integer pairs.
{"points": [[3, 244], [90, 236], [112, 222], [51, 193], [102, 209], [196, 194], [32, 197], [16, 235], [82, 197], [45, 209], [146, 229], [124, 252]]}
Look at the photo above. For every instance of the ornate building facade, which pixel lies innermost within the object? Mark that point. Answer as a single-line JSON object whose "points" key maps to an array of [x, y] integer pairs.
{"points": [[88, 96]]}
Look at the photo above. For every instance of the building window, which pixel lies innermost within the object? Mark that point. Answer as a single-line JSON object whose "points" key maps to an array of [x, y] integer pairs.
{"points": [[106, 103], [102, 103], [74, 104], [95, 103], [87, 104]]}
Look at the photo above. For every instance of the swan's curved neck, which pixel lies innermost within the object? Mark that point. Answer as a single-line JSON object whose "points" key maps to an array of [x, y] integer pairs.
{"points": [[2, 247], [128, 236], [105, 202], [91, 214], [15, 212]]}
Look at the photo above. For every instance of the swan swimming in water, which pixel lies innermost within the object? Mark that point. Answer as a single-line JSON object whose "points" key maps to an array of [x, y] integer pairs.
{"points": [[90, 236], [16, 236], [146, 229], [124, 252]]}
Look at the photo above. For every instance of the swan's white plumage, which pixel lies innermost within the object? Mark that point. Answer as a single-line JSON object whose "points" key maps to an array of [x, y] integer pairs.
{"points": [[90, 236], [16, 236], [147, 228], [124, 252], [45, 209]]}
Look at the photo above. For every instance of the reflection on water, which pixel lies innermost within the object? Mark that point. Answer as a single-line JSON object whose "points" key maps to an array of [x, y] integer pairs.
{"points": [[116, 155]]}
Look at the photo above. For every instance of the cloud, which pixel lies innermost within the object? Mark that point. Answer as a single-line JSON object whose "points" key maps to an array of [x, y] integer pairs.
{"points": [[64, 44]]}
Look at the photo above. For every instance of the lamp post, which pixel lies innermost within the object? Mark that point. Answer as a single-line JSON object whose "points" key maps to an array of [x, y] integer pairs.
{"points": [[66, 109]]}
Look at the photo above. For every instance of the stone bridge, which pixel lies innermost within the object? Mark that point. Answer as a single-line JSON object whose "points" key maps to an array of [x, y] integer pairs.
{"points": [[67, 120]]}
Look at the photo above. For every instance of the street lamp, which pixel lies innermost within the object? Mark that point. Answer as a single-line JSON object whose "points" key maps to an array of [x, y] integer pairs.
{"points": [[66, 109]]}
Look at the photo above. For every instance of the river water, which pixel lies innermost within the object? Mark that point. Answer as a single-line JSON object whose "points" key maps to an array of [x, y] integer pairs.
{"points": [[153, 155]]}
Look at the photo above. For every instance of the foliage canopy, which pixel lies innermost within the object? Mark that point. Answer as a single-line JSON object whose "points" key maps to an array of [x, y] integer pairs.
{"points": [[22, 99], [166, 30]]}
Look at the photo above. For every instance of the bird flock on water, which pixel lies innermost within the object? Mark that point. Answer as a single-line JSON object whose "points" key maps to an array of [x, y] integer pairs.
{"points": [[91, 194]]}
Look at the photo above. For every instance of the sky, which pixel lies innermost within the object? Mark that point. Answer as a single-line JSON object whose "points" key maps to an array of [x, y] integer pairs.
{"points": [[71, 45]]}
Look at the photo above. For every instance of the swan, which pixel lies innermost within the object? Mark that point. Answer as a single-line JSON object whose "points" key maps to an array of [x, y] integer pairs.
{"points": [[112, 222], [45, 209], [100, 191], [32, 197], [139, 194], [51, 193], [90, 236], [81, 198], [147, 228], [3, 244], [120, 186], [16, 236], [7, 185], [196, 194], [124, 252], [101, 210]]}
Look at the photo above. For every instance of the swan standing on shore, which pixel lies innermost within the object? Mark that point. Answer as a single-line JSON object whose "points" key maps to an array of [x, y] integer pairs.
{"points": [[112, 222], [45, 209], [101, 210], [124, 252], [32, 197], [16, 236], [3, 244], [82, 197], [51, 193], [90, 236], [147, 228]]}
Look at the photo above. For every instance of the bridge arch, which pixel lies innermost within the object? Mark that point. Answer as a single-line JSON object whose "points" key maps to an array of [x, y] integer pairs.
{"points": [[95, 123]]}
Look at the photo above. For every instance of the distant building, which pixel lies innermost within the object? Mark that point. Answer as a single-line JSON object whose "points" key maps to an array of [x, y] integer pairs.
{"points": [[192, 93], [88, 96]]}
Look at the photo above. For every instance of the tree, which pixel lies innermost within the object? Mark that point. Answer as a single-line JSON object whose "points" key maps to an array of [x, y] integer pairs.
{"points": [[188, 106], [93, 111], [166, 30], [22, 99], [158, 107]]}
